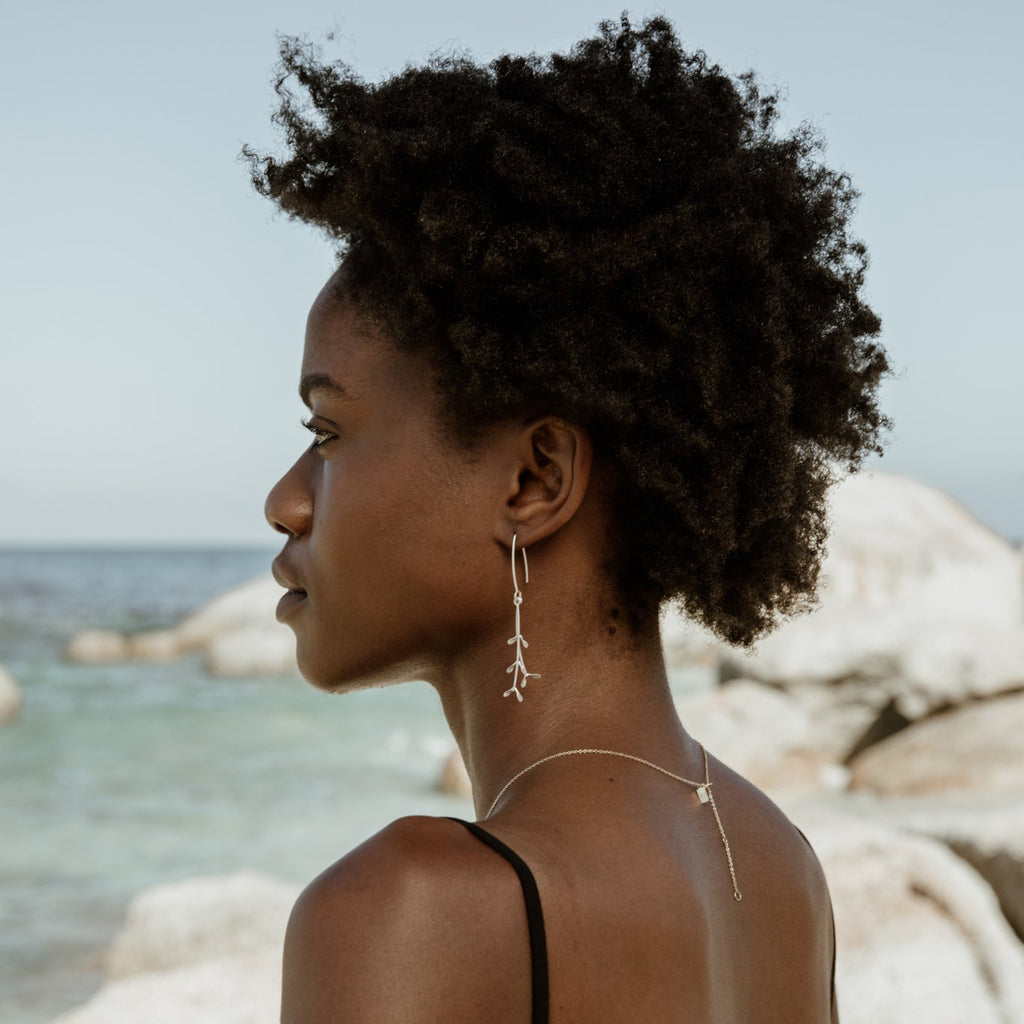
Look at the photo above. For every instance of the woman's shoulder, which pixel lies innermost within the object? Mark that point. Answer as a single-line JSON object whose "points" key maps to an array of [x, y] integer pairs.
{"points": [[382, 932], [414, 856]]}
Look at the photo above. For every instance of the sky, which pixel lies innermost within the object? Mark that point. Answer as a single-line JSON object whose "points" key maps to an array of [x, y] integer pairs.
{"points": [[152, 306]]}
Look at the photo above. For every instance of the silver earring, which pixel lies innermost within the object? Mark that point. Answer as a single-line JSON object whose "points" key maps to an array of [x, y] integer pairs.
{"points": [[518, 667]]}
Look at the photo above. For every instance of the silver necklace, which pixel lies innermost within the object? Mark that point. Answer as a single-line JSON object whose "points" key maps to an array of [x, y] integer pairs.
{"points": [[704, 792]]}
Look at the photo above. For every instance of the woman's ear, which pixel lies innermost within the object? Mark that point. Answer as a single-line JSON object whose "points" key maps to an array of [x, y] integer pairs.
{"points": [[548, 480]]}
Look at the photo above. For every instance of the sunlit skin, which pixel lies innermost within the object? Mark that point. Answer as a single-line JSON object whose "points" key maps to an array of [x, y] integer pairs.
{"points": [[400, 540]]}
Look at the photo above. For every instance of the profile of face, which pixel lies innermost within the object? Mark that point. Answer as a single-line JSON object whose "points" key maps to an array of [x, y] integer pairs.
{"points": [[388, 523]]}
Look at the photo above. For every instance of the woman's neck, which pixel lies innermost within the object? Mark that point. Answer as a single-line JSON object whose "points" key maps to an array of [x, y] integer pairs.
{"points": [[595, 689]]}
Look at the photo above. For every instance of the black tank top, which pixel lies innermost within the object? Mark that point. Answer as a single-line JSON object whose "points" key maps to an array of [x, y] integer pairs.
{"points": [[535, 926]]}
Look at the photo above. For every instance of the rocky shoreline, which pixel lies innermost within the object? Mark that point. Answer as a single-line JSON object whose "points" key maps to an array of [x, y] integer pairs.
{"points": [[889, 724]]}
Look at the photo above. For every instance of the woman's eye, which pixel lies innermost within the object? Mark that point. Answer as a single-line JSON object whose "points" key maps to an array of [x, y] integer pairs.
{"points": [[320, 436]]}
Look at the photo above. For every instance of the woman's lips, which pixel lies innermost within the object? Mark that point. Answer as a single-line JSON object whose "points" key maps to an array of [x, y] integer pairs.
{"points": [[295, 595], [290, 602]]}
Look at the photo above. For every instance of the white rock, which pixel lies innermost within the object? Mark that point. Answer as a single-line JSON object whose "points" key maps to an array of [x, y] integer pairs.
{"points": [[244, 989], [154, 645], [249, 605], [454, 778], [995, 849], [762, 733], [686, 643], [904, 561], [10, 697], [920, 936], [200, 918], [951, 662], [986, 831], [921, 606], [975, 747], [265, 649], [96, 647]]}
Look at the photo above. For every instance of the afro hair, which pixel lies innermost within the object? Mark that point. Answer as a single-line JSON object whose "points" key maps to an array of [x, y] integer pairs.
{"points": [[621, 234]]}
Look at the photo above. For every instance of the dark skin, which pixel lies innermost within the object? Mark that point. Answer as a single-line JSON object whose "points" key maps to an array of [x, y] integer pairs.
{"points": [[401, 541]]}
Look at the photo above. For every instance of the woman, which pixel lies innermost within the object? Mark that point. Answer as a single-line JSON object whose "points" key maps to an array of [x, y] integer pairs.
{"points": [[595, 345]]}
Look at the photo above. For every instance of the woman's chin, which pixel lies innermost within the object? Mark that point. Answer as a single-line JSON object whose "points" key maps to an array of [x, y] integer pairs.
{"points": [[334, 676]]}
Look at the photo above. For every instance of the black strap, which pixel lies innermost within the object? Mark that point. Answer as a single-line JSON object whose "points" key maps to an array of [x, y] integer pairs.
{"points": [[534, 920], [834, 1014]]}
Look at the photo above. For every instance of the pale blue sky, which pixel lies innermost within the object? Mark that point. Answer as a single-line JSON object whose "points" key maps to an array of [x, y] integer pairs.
{"points": [[152, 306]]}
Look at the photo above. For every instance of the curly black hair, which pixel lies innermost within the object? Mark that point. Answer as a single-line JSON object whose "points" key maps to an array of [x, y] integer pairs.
{"points": [[620, 234]]}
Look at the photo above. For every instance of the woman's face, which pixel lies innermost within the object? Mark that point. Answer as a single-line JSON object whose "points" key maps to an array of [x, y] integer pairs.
{"points": [[391, 531]]}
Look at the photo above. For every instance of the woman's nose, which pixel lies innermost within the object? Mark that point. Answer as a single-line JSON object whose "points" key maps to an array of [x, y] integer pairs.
{"points": [[289, 505]]}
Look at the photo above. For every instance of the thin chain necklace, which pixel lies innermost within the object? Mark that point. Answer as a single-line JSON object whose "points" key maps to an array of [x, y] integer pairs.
{"points": [[704, 792]]}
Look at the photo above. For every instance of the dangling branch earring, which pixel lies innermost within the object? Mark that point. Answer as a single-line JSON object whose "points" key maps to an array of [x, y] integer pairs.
{"points": [[518, 666]]}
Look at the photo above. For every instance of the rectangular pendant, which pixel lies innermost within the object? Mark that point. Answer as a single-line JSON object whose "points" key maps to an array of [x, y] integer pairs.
{"points": [[702, 794]]}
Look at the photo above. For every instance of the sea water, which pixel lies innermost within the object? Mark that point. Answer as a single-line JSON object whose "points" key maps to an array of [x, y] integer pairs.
{"points": [[117, 777]]}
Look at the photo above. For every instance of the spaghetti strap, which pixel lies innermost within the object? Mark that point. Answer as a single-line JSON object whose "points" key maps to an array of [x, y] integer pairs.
{"points": [[834, 1008], [534, 920]]}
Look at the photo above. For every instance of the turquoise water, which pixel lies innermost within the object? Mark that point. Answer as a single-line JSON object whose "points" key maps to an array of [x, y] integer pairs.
{"points": [[118, 777]]}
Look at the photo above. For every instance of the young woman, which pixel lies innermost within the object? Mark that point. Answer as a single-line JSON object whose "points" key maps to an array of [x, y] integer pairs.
{"points": [[595, 344]]}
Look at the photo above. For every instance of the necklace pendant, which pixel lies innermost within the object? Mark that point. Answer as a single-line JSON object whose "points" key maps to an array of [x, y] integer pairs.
{"points": [[703, 795]]}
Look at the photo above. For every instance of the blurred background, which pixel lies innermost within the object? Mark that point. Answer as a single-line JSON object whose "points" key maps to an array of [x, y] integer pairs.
{"points": [[152, 308]]}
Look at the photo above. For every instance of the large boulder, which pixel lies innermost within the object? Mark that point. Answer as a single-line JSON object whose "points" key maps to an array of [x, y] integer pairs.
{"points": [[198, 919], [247, 606], [977, 747], [454, 779], [920, 936], [762, 733], [995, 849], [154, 645], [205, 950], [921, 606], [244, 989], [265, 649], [686, 643], [10, 697], [237, 633], [986, 830], [96, 647]]}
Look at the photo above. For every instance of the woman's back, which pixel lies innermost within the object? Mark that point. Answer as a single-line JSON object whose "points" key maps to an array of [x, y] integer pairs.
{"points": [[640, 920]]}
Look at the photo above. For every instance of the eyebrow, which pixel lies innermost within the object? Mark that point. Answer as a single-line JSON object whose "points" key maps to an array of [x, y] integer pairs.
{"points": [[320, 381]]}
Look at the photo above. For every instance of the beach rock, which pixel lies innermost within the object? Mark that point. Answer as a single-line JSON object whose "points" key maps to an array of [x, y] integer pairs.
{"points": [[266, 649], [920, 936], [995, 849], [244, 989], [454, 778], [198, 919], [952, 662], [96, 647], [914, 588], [10, 697], [901, 556], [976, 747], [686, 643], [248, 606], [154, 645], [987, 832], [762, 733]]}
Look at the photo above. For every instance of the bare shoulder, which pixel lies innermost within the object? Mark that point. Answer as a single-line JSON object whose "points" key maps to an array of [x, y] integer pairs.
{"points": [[382, 933], [777, 847], [782, 879]]}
